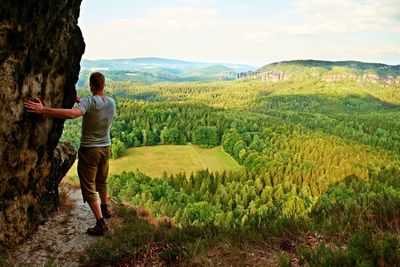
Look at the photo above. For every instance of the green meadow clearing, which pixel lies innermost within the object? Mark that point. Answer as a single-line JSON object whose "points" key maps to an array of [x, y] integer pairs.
{"points": [[155, 160]]}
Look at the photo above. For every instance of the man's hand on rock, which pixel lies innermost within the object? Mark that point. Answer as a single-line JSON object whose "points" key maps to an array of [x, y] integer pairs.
{"points": [[34, 106]]}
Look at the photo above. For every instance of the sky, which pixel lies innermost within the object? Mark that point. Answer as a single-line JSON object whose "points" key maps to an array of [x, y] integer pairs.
{"points": [[255, 32]]}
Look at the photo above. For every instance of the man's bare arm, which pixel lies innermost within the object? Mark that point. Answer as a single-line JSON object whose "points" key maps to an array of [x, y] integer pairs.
{"points": [[37, 107]]}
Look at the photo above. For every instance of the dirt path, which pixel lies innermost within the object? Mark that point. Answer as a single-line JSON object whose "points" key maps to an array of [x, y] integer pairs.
{"points": [[60, 239]]}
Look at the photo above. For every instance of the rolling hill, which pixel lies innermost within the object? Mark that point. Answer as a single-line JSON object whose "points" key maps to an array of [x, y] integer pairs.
{"points": [[328, 70], [153, 70]]}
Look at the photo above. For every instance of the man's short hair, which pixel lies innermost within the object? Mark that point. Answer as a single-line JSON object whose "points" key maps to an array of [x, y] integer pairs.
{"points": [[97, 80]]}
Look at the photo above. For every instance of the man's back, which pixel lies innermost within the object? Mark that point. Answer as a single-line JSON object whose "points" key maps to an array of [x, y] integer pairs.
{"points": [[98, 113]]}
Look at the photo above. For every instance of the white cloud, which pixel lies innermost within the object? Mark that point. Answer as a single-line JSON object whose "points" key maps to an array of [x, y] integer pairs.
{"points": [[169, 31], [169, 12], [349, 15], [200, 34], [198, 1], [243, 6], [184, 18]]}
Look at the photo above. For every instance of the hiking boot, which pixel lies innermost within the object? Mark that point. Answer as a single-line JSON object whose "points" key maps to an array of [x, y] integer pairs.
{"points": [[105, 211], [98, 230]]}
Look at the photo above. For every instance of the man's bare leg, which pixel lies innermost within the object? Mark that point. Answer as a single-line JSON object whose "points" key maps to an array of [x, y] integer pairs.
{"points": [[104, 207], [95, 207], [103, 197]]}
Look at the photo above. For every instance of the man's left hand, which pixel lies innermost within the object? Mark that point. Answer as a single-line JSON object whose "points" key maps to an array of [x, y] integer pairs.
{"points": [[34, 106]]}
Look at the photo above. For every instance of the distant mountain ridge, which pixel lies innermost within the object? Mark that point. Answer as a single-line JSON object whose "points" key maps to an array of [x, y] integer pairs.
{"points": [[155, 62], [380, 68], [329, 70], [152, 70]]}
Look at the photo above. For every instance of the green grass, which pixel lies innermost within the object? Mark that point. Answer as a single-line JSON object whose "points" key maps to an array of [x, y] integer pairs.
{"points": [[155, 160]]}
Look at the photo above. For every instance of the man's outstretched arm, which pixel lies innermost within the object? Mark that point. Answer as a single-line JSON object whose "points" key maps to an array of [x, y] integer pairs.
{"points": [[37, 107]]}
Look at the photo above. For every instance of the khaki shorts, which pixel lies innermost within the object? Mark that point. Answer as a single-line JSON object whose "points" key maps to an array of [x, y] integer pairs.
{"points": [[93, 171]]}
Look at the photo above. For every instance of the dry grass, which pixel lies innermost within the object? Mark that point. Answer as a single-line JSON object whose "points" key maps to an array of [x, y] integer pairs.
{"points": [[146, 215], [149, 258], [227, 254], [66, 203], [71, 180], [268, 252]]}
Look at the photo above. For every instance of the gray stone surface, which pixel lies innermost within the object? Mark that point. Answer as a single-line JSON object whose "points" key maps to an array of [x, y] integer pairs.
{"points": [[60, 239], [40, 51]]}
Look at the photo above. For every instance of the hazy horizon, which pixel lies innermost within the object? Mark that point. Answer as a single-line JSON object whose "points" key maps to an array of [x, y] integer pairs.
{"points": [[243, 32], [178, 59], [240, 63]]}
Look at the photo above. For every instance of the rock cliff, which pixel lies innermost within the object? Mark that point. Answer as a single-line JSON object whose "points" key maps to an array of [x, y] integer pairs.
{"points": [[280, 76], [265, 75], [40, 50], [326, 70]]}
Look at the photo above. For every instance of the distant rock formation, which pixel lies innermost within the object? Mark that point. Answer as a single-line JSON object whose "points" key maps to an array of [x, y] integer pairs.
{"points": [[248, 75], [265, 76], [226, 75], [326, 70], [364, 77], [40, 50], [281, 76]]}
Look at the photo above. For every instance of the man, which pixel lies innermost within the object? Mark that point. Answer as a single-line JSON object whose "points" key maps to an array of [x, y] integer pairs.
{"points": [[98, 112]]}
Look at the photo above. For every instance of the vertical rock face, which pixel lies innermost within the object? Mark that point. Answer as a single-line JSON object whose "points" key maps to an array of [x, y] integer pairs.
{"points": [[40, 50]]}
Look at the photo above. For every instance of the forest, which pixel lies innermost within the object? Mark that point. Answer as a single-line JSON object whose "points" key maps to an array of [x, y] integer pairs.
{"points": [[320, 155]]}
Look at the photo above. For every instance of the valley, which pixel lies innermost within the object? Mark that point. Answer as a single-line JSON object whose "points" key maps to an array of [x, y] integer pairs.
{"points": [[314, 153]]}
